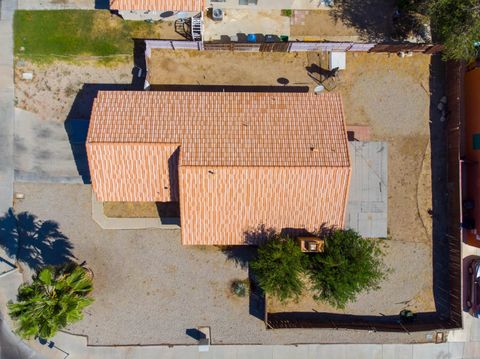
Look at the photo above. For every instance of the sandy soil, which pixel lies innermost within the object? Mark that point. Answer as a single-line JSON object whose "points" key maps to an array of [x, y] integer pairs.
{"points": [[384, 92], [227, 68], [141, 209], [54, 87], [391, 95]]}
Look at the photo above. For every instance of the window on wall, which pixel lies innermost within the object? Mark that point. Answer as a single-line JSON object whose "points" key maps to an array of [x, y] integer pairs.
{"points": [[476, 141]]}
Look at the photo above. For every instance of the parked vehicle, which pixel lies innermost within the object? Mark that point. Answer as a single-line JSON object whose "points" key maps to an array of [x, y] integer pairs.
{"points": [[473, 285]]}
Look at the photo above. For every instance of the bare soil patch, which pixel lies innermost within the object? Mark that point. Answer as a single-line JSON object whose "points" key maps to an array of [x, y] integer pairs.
{"points": [[54, 87], [141, 209], [227, 68]]}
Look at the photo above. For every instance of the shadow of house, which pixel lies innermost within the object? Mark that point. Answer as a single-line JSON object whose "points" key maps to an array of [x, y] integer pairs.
{"points": [[102, 4], [440, 210], [372, 19], [76, 124], [34, 242], [77, 121]]}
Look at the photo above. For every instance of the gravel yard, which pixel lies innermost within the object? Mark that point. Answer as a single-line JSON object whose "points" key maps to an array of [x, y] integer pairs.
{"points": [[151, 290]]}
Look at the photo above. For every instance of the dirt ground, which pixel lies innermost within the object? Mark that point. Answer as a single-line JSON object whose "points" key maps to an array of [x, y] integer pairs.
{"points": [[51, 92], [226, 68], [320, 25], [141, 209]]}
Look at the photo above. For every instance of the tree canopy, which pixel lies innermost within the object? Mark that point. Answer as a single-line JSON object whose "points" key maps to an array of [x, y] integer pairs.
{"points": [[348, 266], [55, 298], [457, 24], [278, 266], [454, 23]]}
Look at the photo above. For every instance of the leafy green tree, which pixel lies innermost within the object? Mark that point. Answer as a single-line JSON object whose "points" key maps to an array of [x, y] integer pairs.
{"points": [[349, 265], [457, 24], [278, 268], [55, 298]]}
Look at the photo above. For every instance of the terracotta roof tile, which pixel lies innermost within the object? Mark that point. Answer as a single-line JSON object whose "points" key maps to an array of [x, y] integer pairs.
{"points": [[233, 160], [157, 5], [222, 206], [228, 129]]}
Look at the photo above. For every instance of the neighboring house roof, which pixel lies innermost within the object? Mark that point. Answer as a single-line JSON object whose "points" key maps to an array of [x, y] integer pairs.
{"points": [[157, 5], [244, 159]]}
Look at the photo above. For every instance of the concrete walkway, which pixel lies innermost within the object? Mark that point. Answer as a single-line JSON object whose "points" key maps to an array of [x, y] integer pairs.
{"points": [[59, 5], [7, 93], [53, 163]]}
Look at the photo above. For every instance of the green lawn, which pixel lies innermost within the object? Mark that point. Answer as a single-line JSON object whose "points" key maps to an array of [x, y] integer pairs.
{"points": [[46, 35]]}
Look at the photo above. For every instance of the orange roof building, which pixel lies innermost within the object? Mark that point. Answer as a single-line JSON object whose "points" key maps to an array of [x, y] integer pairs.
{"points": [[234, 161], [157, 5]]}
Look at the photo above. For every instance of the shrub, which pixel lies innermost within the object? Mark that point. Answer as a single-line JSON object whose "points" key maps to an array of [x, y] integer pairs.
{"points": [[55, 298], [240, 287], [278, 268], [349, 265]]}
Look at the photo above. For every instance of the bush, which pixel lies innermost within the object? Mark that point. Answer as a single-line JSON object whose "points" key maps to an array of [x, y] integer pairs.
{"points": [[349, 265], [240, 287], [457, 23], [55, 298], [278, 267]]}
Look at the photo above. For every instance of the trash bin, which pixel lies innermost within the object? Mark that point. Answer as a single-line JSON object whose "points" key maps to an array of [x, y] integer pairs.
{"points": [[269, 38]]}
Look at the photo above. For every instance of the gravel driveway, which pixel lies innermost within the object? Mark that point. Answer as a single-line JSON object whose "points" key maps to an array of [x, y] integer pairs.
{"points": [[151, 290]]}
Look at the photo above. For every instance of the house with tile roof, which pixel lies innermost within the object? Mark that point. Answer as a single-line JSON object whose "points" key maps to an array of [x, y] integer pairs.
{"points": [[200, 5], [233, 161]]}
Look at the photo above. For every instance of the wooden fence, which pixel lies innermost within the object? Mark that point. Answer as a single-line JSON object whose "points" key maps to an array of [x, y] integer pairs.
{"points": [[456, 120], [293, 46]]}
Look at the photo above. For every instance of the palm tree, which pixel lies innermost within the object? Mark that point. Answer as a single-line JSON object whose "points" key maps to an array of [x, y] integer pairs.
{"points": [[54, 299]]}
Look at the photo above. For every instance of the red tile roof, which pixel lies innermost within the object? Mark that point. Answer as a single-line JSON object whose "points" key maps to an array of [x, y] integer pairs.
{"points": [[157, 5], [245, 159], [228, 129]]}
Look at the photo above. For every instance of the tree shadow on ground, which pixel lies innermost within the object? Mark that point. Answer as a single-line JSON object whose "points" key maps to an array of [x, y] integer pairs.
{"points": [[240, 255], [34, 242], [372, 19]]}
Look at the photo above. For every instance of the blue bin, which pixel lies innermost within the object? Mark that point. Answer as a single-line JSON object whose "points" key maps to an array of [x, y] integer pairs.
{"points": [[252, 38]]}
